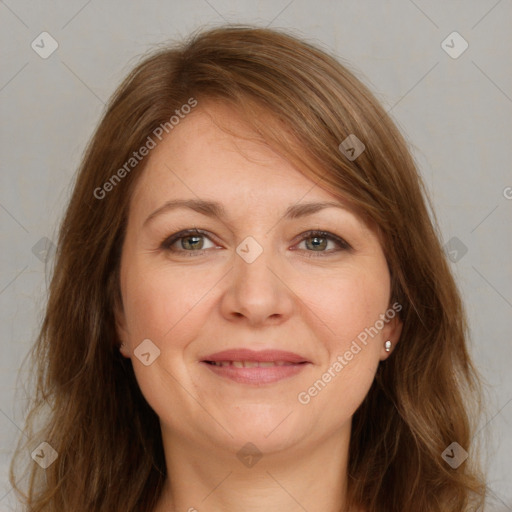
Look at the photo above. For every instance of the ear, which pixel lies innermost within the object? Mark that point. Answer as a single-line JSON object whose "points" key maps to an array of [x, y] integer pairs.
{"points": [[121, 329], [391, 331]]}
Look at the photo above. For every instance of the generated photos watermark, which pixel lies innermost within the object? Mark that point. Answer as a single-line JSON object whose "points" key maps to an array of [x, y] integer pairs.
{"points": [[304, 397], [158, 133]]}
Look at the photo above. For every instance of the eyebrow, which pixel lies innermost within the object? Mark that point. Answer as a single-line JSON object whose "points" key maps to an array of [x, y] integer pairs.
{"points": [[214, 209]]}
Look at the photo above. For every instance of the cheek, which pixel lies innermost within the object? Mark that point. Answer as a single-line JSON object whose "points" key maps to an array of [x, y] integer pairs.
{"points": [[145, 305], [347, 302], [161, 303]]}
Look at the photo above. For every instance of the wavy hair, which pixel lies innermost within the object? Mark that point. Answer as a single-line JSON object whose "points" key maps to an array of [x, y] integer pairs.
{"points": [[304, 103]]}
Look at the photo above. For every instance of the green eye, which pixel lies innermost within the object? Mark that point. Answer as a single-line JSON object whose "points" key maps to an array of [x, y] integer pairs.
{"points": [[193, 241], [317, 242]]}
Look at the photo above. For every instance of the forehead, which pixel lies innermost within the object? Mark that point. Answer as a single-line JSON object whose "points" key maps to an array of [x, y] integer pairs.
{"points": [[213, 153]]}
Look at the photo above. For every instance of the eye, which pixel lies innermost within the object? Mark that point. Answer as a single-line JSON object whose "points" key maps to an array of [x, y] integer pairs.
{"points": [[318, 241], [190, 240], [193, 241]]}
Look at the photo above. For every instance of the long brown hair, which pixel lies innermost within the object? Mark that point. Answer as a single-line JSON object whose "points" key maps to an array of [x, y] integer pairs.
{"points": [[424, 397]]}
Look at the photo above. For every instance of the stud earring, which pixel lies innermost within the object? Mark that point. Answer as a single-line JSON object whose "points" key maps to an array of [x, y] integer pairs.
{"points": [[387, 346]]}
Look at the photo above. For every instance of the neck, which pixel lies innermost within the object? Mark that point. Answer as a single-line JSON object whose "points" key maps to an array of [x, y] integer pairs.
{"points": [[203, 477]]}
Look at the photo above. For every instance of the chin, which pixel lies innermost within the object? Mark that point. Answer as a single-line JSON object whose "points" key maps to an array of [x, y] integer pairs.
{"points": [[270, 431]]}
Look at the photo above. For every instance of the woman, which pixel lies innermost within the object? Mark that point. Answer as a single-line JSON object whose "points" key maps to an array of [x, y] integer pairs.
{"points": [[250, 307]]}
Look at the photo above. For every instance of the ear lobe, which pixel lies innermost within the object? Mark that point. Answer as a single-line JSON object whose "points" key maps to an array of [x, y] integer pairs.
{"points": [[116, 301], [122, 334], [120, 325], [391, 331]]}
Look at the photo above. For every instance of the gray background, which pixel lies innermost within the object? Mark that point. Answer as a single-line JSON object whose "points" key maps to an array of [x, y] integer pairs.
{"points": [[455, 112]]}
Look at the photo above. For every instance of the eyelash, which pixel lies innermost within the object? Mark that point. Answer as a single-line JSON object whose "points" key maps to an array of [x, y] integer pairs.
{"points": [[169, 241]]}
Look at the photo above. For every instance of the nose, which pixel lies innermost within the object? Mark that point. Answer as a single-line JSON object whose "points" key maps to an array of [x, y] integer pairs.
{"points": [[257, 292]]}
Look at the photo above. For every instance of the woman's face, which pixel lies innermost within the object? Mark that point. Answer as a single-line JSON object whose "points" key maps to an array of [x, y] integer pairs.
{"points": [[251, 279]]}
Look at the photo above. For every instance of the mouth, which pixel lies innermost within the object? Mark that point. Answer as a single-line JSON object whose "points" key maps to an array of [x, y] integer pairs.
{"points": [[252, 364], [255, 367]]}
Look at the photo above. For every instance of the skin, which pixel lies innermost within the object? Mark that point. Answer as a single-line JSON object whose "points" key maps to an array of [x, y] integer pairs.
{"points": [[191, 305]]}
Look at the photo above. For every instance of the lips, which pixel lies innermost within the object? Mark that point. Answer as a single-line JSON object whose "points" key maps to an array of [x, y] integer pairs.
{"points": [[264, 356], [255, 367]]}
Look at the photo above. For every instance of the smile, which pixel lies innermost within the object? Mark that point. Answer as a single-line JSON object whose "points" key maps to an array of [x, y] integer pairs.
{"points": [[255, 373], [250, 364]]}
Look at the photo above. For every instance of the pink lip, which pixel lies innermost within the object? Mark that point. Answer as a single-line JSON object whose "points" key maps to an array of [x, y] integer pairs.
{"points": [[244, 354], [256, 375]]}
